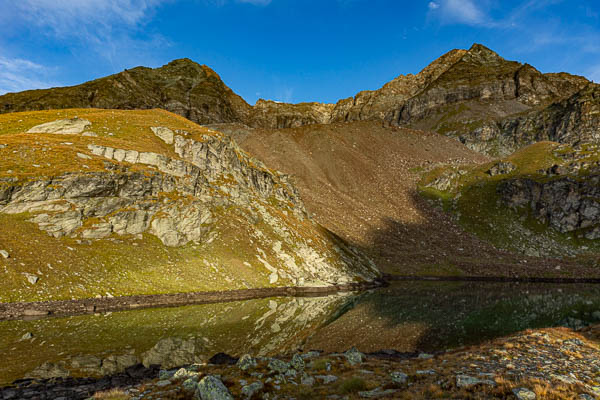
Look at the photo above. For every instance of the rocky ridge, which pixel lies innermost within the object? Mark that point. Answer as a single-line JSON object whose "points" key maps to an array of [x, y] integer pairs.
{"points": [[182, 86], [492, 105]]}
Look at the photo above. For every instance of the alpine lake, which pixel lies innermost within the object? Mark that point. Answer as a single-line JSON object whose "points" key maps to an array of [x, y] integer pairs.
{"points": [[406, 317]]}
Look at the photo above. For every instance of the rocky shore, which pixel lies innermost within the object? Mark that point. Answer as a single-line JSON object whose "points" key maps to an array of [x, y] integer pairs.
{"points": [[555, 363]]}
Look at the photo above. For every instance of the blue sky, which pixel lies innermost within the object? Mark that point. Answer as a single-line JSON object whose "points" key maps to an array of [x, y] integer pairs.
{"points": [[287, 50]]}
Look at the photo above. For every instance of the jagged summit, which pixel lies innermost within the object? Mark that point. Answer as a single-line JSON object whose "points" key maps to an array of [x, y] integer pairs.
{"points": [[483, 54]]}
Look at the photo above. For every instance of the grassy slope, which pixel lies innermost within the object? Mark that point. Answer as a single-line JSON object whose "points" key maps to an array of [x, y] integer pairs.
{"points": [[476, 204], [70, 268], [115, 128], [73, 269]]}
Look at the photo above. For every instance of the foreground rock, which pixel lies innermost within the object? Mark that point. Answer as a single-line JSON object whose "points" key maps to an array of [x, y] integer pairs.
{"points": [[211, 388], [172, 352], [525, 366]]}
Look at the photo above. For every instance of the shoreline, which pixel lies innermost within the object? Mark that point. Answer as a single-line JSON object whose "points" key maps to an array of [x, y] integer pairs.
{"points": [[58, 308], [41, 309], [489, 279]]}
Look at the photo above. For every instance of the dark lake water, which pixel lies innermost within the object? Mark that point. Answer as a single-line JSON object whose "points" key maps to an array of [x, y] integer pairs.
{"points": [[406, 316]]}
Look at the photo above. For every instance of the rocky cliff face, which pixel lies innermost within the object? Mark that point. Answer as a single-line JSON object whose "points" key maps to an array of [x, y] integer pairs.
{"points": [[170, 179], [565, 196], [575, 119], [275, 115], [565, 204], [543, 200]]}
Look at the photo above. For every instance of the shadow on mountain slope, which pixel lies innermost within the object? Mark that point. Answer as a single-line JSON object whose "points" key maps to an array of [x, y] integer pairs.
{"points": [[359, 180], [439, 246]]}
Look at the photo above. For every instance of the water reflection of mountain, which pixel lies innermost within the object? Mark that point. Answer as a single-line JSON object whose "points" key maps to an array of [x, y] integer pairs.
{"points": [[432, 316], [261, 327]]}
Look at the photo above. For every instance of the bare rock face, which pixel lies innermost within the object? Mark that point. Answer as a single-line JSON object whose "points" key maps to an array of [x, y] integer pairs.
{"points": [[165, 134], [565, 203], [274, 115], [124, 198], [575, 119], [502, 168], [49, 371]]}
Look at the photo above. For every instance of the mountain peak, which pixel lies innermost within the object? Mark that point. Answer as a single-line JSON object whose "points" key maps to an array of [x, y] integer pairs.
{"points": [[482, 54], [183, 60], [188, 68]]}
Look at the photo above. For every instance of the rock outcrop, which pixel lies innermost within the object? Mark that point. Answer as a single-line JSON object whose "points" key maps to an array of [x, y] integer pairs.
{"points": [[173, 352], [573, 120], [124, 199], [186, 187], [567, 204], [276, 115], [64, 126]]}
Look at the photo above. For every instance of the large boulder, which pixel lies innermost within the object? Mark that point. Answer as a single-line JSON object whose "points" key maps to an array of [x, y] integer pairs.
{"points": [[165, 134], [211, 388]]}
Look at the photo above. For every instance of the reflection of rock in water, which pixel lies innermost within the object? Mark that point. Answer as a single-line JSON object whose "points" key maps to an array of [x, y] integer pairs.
{"points": [[423, 316], [173, 352], [95, 345], [275, 326], [289, 321]]}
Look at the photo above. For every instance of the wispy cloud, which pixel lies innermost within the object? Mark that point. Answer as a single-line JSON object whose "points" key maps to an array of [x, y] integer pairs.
{"points": [[220, 3], [539, 22], [62, 16], [284, 94], [458, 12], [18, 74], [110, 28]]}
